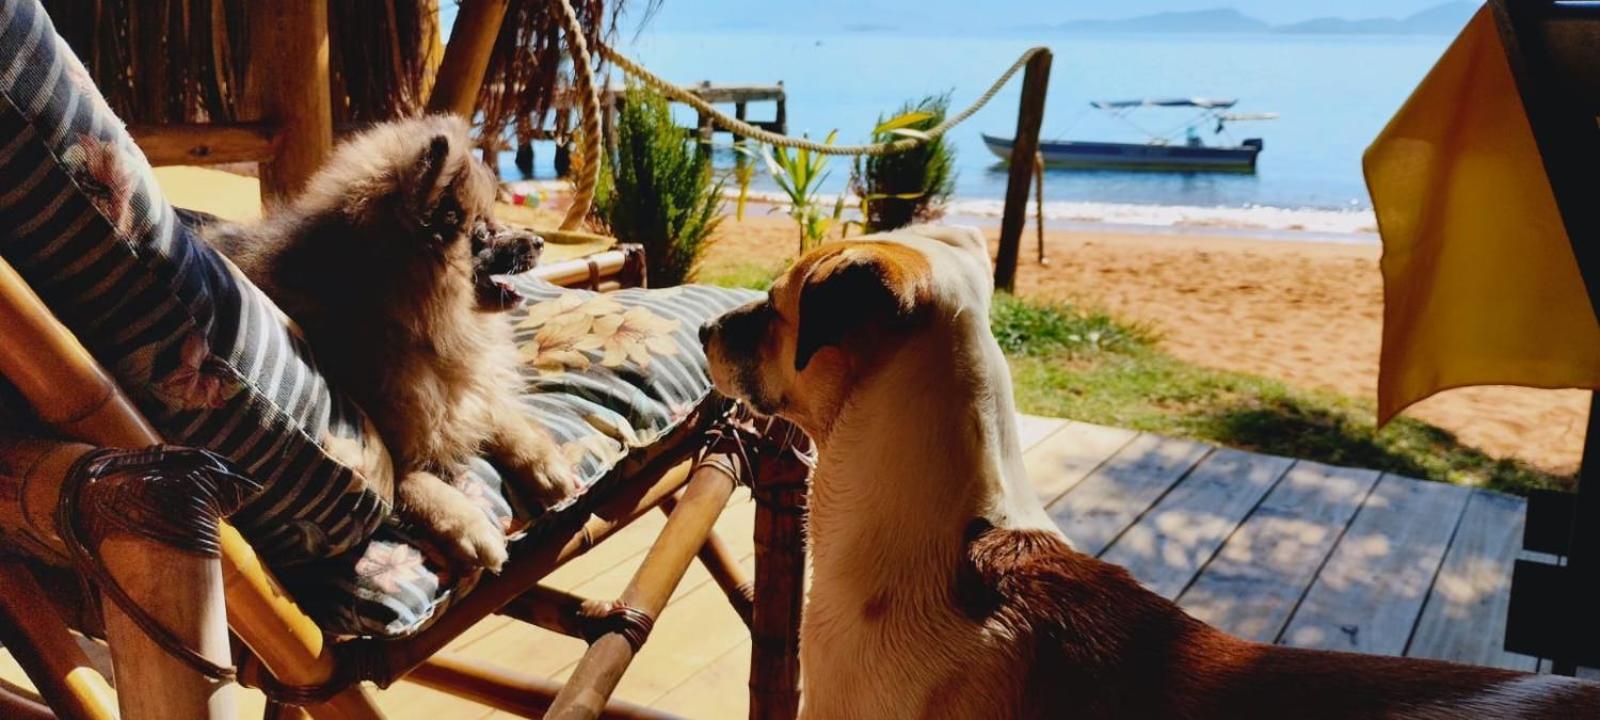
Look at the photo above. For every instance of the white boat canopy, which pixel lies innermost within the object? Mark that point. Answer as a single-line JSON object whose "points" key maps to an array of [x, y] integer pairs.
{"points": [[1206, 103]]}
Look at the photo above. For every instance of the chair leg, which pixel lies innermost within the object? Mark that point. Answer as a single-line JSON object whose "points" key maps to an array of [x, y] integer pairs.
{"points": [[593, 680], [723, 565], [36, 635], [523, 695], [780, 494]]}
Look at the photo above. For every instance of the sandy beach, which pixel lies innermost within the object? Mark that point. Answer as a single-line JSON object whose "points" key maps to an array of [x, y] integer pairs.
{"points": [[1307, 313]]}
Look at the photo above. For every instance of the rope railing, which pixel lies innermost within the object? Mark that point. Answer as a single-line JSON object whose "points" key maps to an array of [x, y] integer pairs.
{"points": [[586, 163], [754, 132]]}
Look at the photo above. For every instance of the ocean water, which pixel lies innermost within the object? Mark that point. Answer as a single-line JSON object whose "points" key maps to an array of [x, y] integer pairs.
{"points": [[1333, 95]]}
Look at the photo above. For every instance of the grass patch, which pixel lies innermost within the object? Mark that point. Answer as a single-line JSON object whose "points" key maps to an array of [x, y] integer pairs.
{"points": [[1088, 366], [750, 275]]}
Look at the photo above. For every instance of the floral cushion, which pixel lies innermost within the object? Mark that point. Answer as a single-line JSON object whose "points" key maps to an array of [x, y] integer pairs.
{"points": [[208, 360], [613, 376]]}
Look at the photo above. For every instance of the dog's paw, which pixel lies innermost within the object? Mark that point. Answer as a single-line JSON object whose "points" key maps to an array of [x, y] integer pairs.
{"points": [[461, 530], [552, 481], [480, 544]]}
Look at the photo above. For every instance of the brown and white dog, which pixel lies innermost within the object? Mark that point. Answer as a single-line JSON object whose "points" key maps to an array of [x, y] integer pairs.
{"points": [[941, 589]]}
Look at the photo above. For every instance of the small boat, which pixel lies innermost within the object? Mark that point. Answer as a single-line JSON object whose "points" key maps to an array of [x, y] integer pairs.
{"points": [[1189, 154]]}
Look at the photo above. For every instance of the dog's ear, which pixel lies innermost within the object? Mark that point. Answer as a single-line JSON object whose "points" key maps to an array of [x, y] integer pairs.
{"points": [[427, 175], [854, 290]]}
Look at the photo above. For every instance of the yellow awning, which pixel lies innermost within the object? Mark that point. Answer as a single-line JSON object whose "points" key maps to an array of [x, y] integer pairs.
{"points": [[1480, 284]]}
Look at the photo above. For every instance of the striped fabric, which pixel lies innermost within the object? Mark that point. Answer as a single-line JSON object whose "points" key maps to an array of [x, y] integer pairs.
{"points": [[613, 377], [204, 356]]}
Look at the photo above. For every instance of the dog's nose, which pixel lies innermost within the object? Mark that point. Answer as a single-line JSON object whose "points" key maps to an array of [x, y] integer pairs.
{"points": [[705, 333]]}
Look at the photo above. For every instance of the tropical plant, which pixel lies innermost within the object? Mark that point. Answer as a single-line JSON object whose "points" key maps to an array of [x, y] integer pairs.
{"points": [[656, 189], [800, 175], [911, 185]]}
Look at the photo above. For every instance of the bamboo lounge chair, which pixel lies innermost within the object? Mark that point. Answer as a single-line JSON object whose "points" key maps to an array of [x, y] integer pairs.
{"points": [[253, 550]]}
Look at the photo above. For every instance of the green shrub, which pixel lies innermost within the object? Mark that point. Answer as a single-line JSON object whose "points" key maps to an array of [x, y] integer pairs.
{"points": [[913, 185], [657, 190]]}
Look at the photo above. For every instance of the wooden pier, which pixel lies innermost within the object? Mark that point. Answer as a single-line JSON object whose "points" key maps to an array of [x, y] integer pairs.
{"points": [[565, 113]]}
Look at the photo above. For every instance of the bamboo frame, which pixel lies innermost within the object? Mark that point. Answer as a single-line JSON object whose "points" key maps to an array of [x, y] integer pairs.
{"points": [[74, 395], [288, 87], [687, 528], [17, 704], [724, 568], [524, 695], [292, 647], [37, 637]]}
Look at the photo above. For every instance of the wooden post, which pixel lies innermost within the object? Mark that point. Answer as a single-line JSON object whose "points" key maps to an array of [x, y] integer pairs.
{"points": [[1030, 114], [466, 57], [781, 116], [287, 85], [780, 492], [707, 131]]}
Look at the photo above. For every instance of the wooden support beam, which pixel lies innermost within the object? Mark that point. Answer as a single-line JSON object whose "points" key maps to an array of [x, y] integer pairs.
{"points": [[206, 144], [522, 695], [531, 561], [1024, 150], [780, 492], [466, 57], [287, 85], [36, 635], [723, 565], [555, 610], [597, 674]]}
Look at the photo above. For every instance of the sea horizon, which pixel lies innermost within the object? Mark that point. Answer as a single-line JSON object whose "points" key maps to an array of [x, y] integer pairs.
{"points": [[1332, 93]]}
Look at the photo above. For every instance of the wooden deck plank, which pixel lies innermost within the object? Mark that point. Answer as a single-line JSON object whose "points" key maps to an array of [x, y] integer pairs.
{"points": [[1464, 619], [718, 690], [1112, 497], [1032, 429], [530, 649], [1254, 582], [1059, 462], [1167, 547], [1369, 595], [691, 634]]}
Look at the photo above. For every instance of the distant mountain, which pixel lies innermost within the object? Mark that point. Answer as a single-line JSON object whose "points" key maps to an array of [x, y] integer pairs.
{"points": [[1209, 21], [1445, 19]]}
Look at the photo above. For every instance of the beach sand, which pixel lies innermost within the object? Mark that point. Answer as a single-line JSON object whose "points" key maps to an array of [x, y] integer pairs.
{"points": [[1307, 313]]}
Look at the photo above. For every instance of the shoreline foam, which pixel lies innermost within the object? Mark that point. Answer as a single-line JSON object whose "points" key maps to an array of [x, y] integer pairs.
{"points": [[1353, 226]]}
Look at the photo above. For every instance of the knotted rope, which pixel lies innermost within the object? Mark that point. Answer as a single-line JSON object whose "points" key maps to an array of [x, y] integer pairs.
{"points": [[586, 162]]}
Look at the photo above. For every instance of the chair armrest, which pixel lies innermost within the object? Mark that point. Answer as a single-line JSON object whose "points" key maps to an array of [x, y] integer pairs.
{"points": [[615, 269]]}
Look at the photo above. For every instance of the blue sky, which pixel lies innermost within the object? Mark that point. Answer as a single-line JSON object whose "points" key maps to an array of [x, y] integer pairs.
{"points": [[684, 14]]}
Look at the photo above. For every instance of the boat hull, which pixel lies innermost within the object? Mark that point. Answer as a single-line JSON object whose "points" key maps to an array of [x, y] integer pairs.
{"points": [[1138, 156]]}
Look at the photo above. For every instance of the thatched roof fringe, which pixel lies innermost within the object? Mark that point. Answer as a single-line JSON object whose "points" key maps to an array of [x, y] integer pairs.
{"points": [[175, 61]]}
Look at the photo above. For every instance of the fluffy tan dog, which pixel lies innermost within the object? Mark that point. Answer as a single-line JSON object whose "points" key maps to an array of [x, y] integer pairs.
{"points": [[385, 263], [940, 589]]}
